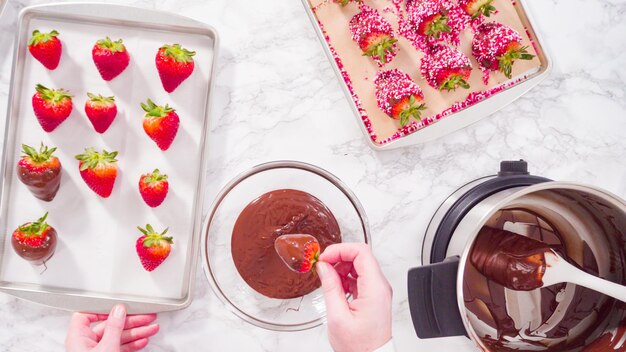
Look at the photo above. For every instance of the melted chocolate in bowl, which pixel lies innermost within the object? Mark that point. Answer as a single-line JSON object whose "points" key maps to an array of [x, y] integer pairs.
{"points": [[562, 317], [279, 212]]}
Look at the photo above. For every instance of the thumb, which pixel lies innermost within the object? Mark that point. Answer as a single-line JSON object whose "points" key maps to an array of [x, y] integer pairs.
{"points": [[114, 326], [334, 295]]}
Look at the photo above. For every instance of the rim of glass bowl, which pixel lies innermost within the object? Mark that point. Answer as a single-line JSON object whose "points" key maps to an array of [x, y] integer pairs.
{"points": [[281, 164]]}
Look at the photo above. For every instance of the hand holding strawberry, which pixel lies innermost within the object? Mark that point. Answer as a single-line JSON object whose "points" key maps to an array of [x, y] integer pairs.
{"points": [[101, 111], [153, 248], [51, 107], [299, 252], [98, 170], [153, 188], [110, 57], [46, 48], [175, 64], [160, 123]]}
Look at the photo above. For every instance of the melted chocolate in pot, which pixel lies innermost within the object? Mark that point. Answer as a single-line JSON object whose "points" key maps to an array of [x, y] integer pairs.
{"points": [[276, 213]]}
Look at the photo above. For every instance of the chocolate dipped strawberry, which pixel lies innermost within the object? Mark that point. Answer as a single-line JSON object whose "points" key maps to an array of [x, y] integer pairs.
{"points": [[374, 35], [40, 171], [111, 57], [478, 8], [46, 48], [98, 170], [160, 123], [299, 252], [35, 241], [153, 188], [51, 107], [100, 111], [445, 68], [431, 21], [174, 64], [153, 247], [496, 47], [399, 96]]}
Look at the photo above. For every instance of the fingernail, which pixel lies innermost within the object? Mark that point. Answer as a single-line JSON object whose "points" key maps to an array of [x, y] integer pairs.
{"points": [[322, 269], [119, 311]]}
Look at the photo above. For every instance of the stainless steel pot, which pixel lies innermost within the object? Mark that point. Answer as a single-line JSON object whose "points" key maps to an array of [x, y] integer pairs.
{"points": [[448, 297]]}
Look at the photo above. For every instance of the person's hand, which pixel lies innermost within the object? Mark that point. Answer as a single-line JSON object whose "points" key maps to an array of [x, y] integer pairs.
{"points": [[364, 323], [113, 333]]}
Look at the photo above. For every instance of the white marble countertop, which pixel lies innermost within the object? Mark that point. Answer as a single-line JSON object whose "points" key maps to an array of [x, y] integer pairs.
{"points": [[277, 97]]}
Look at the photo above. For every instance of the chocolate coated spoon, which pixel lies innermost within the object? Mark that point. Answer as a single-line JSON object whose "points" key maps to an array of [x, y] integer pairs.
{"points": [[523, 264]]}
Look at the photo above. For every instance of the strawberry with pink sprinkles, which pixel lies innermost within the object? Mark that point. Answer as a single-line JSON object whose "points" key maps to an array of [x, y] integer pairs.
{"points": [[374, 35], [496, 47], [398, 96], [430, 22], [446, 68], [478, 9]]}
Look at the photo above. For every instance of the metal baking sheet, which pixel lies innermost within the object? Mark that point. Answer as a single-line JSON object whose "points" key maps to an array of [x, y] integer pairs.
{"points": [[330, 22], [95, 264]]}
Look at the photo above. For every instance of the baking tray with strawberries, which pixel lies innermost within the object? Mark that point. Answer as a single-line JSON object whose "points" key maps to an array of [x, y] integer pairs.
{"points": [[416, 70], [104, 157]]}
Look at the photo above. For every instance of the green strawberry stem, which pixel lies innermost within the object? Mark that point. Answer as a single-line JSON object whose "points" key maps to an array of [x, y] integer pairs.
{"points": [[100, 98], [91, 159], [155, 176], [453, 82], [155, 110], [153, 237], [438, 26], [486, 9], [35, 228], [42, 156], [179, 53], [39, 37], [113, 46], [381, 49], [53, 95], [412, 110], [505, 61]]}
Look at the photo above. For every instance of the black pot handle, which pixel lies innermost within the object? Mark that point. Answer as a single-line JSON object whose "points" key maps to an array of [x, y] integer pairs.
{"points": [[433, 300]]}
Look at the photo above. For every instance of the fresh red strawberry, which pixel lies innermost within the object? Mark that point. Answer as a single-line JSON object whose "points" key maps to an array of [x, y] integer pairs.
{"points": [[98, 170], [398, 96], [374, 35], [475, 8], [153, 248], [434, 25], [51, 107], [153, 188], [40, 171], [35, 241], [160, 123], [299, 252], [446, 68], [101, 111], [496, 47], [46, 48], [110, 57], [174, 64]]}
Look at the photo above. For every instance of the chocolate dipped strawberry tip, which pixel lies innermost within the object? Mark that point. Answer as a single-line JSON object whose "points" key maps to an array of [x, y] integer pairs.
{"points": [[39, 37], [43, 155], [299, 252], [179, 53], [113, 46], [54, 95], [91, 159]]}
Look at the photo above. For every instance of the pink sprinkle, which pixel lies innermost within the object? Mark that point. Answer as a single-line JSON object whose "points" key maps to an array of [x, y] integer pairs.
{"points": [[441, 61], [392, 86], [367, 23], [491, 41]]}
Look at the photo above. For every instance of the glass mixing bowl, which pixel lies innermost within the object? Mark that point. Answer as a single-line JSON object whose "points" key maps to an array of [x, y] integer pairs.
{"points": [[275, 314]]}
